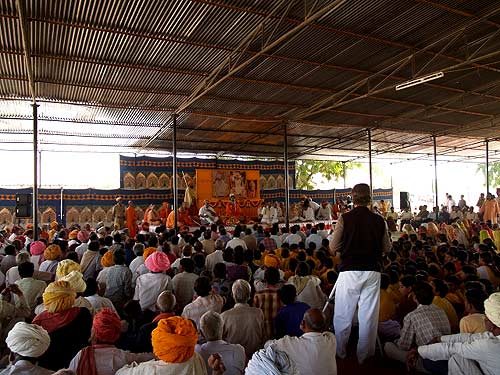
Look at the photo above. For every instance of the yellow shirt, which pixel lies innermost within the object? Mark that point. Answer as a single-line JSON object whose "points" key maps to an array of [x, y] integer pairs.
{"points": [[473, 323], [393, 290], [449, 310], [387, 307]]}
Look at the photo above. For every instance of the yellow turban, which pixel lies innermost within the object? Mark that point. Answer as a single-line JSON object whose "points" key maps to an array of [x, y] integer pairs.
{"points": [[58, 296], [75, 279], [73, 234], [53, 225], [148, 251], [483, 234], [107, 259], [52, 252], [65, 267], [271, 260], [174, 339]]}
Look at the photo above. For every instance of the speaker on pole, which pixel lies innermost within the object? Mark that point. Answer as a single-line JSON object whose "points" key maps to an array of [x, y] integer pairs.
{"points": [[24, 206], [404, 200]]}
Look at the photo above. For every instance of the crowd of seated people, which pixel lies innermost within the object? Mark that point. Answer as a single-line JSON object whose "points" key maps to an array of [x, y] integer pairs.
{"points": [[252, 301]]}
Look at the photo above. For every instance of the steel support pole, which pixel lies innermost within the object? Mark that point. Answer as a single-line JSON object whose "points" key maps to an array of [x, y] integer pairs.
{"points": [[435, 171], [370, 160], [174, 168], [35, 172], [487, 167], [287, 188], [61, 214]]}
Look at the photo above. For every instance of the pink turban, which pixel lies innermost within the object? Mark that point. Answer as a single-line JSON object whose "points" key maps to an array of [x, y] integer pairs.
{"points": [[37, 248], [82, 236], [157, 262]]}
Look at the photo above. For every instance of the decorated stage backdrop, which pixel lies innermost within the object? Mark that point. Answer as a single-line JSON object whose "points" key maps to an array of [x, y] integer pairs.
{"points": [[144, 172]]}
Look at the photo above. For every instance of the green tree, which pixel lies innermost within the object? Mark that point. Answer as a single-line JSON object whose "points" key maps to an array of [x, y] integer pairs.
{"points": [[494, 176], [331, 170]]}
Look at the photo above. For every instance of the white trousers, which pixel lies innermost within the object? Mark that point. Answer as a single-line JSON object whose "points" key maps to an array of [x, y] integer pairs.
{"points": [[361, 289]]}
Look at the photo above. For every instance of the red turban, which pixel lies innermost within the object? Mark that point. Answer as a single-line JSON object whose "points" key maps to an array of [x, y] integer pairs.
{"points": [[157, 262], [107, 326]]}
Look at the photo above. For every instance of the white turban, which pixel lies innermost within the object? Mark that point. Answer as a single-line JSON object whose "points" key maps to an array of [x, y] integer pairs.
{"points": [[492, 308], [28, 340]]}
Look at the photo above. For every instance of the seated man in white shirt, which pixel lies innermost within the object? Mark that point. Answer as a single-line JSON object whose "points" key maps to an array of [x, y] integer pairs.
{"points": [[311, 352], [26, 342], [207, 214], [269, 214], [467, 353], [233, 355]]}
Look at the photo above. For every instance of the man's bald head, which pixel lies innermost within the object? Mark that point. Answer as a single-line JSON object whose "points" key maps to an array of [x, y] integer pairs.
{"points": [[314, 321], [166, 302]]}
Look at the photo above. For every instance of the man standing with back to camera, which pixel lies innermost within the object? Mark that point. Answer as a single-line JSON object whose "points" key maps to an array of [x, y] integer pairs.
{"points": [[361, 237]]}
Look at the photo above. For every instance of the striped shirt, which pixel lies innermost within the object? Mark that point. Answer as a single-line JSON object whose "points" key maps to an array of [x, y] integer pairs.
{"points": [[268, 301]]}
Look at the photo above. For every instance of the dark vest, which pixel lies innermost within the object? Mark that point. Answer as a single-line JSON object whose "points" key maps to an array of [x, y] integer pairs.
{"points": [[362, 240]]}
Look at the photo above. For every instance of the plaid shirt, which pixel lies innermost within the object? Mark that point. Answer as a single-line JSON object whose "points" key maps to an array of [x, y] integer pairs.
{"points": [[422, 325], [269, 243], [268, 301]]}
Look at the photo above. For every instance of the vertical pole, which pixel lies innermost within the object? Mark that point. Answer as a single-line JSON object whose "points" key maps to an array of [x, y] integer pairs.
{"points": [[370, 160], [487, 167], [61, 214], [285, 161], [35, 172], [174, 168], [344, 173], [435, 171]]}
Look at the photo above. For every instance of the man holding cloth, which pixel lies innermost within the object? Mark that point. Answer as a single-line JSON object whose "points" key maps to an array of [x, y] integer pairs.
{"points": [[361, 237]]}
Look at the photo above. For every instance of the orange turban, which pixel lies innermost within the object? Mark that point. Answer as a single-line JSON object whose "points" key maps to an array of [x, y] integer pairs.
{"points": [[73, 234], [174, 339], [107, 259], [148, 251], [58, 296], [107, 326], [52, 252], [271, 260]]}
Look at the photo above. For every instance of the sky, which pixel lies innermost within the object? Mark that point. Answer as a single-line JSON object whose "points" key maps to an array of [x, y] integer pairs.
{"points": [[102, 171]]}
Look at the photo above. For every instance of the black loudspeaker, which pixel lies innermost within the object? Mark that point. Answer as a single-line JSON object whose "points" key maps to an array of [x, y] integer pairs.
{"points": [[23, 205], [404, 200]]}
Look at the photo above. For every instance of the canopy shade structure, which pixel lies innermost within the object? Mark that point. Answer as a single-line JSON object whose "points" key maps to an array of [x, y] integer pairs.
{"points": [[110, 74]]}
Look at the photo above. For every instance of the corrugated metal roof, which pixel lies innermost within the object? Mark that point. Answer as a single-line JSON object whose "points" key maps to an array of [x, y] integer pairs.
{"points": [[111, 74]]}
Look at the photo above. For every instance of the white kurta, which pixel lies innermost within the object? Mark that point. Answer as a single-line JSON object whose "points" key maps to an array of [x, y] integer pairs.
{"points": [[463, 349], [110, 359], [313, 353], [194, 366]]}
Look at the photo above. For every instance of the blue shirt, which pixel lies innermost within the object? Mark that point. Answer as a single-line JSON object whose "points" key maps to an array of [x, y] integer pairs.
{"points": [[288, 320]]}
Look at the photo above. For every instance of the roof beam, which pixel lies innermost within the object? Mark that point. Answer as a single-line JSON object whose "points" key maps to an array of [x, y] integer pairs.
{"points": [[23, 25]]}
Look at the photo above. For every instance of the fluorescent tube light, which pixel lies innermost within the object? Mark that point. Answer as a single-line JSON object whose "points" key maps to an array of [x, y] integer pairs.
{"points": [[418, 81]]}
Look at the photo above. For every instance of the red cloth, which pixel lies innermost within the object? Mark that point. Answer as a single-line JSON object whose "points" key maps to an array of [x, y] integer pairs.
{"points": [[162, 316], [53, 321], [86, 363], [233, 210]]}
